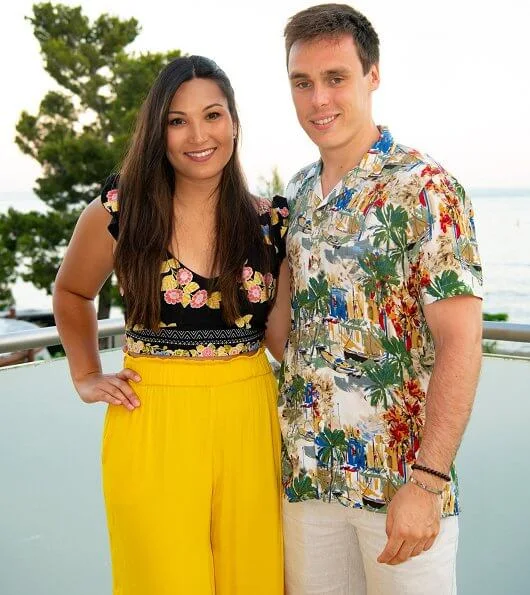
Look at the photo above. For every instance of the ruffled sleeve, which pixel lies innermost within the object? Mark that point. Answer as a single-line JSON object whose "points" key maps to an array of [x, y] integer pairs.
{"points": [[109, 199], [279, 225]]}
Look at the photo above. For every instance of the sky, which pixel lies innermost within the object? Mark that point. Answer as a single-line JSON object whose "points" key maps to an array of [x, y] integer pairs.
{"points": [[455, 80]]}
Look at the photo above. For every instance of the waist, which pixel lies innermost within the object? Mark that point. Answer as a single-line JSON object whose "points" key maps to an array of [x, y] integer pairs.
{"points": [[188, 371], [194, 343]]}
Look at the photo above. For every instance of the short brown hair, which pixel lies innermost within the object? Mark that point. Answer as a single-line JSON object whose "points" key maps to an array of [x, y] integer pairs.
{"points": [[332, 20]]}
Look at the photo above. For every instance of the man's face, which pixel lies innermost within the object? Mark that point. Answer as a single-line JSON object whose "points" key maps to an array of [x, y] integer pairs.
{"points": [[331, 94]]}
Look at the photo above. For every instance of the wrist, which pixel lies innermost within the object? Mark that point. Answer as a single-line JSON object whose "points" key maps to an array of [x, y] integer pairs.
{"points": [[431, 480], [437, 470], [80, 377], [426, 488]]}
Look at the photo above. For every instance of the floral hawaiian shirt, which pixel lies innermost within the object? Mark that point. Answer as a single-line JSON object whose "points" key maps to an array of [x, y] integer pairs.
{"points": [[395, 234]]}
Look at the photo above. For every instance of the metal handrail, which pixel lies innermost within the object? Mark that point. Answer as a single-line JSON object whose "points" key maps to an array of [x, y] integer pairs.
{"points": [[506, 331], [43, 337], [110, 327]]}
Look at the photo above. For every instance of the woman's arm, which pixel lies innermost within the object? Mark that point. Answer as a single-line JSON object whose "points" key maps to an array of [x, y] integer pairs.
{"points": [[279, 320], [86, 266]]}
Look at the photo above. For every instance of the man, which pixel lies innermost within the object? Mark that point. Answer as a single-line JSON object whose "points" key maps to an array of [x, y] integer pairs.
{"points": [[381, 367]]}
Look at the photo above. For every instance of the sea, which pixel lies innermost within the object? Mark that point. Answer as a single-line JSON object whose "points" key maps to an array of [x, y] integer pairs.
{"points": [[502, 218]]}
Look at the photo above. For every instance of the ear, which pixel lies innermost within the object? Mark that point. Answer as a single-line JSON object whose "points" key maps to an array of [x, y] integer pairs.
{"points": [[373, 77]]}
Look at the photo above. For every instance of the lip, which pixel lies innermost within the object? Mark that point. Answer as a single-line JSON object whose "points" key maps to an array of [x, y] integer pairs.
{"points": [[201, 156], [327, 125]]}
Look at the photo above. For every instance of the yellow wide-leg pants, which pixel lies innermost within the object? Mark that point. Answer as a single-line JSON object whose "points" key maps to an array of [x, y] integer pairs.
{"points": [[192, 480]]}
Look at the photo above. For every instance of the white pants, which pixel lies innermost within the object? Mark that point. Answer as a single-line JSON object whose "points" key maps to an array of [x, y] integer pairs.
{"points": [[333, 550]]}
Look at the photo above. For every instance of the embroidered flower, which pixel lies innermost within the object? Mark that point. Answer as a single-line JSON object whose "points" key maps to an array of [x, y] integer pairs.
{"points": [[284, 212], [173, 296], [208, 351], [199, 298], [112, 195], [184, 276], [268, 279], [254, 294], [247, 273]]}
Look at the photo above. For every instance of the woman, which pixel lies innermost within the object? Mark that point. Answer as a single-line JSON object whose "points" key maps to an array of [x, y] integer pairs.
{"points": [[191, 440]]}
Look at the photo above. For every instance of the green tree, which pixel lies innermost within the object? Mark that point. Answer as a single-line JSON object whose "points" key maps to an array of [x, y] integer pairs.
{"points": [[78, 136], [447, 285], [301, 489], [332, 446], [383, 379], [392, 229], [270, 187], [380, 275]]}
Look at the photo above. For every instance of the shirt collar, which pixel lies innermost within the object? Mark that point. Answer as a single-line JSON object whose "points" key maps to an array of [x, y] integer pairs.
{"points": [[374, 160], [371, 163]]}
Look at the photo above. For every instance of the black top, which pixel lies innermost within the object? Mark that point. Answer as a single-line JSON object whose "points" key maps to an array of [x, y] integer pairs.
{"points": [[190, 316]]}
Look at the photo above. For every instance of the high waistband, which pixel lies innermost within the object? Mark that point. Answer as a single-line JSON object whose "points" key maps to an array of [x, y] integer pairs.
{"points": [[185, 371]]}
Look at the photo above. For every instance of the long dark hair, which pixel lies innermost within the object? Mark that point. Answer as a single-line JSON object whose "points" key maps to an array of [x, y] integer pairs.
{"points": [[146, 188]]}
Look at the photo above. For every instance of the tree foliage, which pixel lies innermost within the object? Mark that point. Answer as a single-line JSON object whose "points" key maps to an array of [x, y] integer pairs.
{"points": [[271, 186], [78, 136]]}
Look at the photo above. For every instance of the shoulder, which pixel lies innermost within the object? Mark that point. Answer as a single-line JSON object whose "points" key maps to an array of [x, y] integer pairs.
{"points": [[262, 205], [110, 201], [417, 164], [299, 179], [109, 193], [273, 209], [416, 175], [306, 172]]}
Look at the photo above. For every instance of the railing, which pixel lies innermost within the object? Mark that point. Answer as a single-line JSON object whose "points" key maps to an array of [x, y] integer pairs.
{"points": [[44, 337], [110, 327]]}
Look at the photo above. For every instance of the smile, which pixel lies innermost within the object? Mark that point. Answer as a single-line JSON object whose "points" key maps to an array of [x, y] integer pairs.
{"points": [[200, 155], [323, 123]]}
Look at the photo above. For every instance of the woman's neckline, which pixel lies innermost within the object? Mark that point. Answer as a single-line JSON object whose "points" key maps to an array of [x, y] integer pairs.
{"points": [[194, 273]]}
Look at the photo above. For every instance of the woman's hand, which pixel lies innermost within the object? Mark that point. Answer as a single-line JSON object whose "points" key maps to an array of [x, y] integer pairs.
{"points": [[109, 388]]}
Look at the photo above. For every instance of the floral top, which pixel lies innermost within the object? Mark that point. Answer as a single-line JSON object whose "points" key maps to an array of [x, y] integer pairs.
{"points": [[395, 234], [191, 323]]}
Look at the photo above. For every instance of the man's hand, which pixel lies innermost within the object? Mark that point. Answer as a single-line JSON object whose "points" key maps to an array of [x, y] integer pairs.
{"points": [[412, 524]]}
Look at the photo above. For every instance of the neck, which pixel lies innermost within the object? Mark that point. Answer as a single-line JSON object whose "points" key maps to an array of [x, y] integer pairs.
{"points": [[338, 161], [200, 195]]}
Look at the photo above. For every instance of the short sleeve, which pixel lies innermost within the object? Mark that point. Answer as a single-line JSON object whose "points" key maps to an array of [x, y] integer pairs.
{"points": [[279, 225], [445, 261], [109, 199]]}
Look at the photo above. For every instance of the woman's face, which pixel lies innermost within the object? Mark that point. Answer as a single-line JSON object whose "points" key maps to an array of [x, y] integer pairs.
{"points": [[200, 131]]}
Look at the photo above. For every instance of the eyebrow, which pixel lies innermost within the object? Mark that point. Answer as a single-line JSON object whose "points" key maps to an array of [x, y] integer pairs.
{"points": [[332, 72], [206, 108]]}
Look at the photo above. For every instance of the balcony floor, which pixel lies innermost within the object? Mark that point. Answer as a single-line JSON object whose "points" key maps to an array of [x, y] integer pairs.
{"points": [[53, 538]]}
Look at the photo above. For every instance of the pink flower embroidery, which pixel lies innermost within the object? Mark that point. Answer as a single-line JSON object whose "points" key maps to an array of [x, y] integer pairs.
{"points": [[184, 276], [284, 212], [112, 195], [254, 294], [268, 279], [247, 273], [199, 298], [173, 296], [207, 352]]}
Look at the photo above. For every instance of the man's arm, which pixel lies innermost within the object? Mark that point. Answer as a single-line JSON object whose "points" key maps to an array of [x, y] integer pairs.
{"points": [[456, 326], [413, 520]]}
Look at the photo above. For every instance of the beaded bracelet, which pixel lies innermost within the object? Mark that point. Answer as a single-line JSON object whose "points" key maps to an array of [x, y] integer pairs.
{"points": [[425, 487], [430, 471]]}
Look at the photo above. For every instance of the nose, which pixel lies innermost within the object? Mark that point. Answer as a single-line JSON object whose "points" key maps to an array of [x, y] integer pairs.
{"points": [[197, 133], [320, 96]]}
